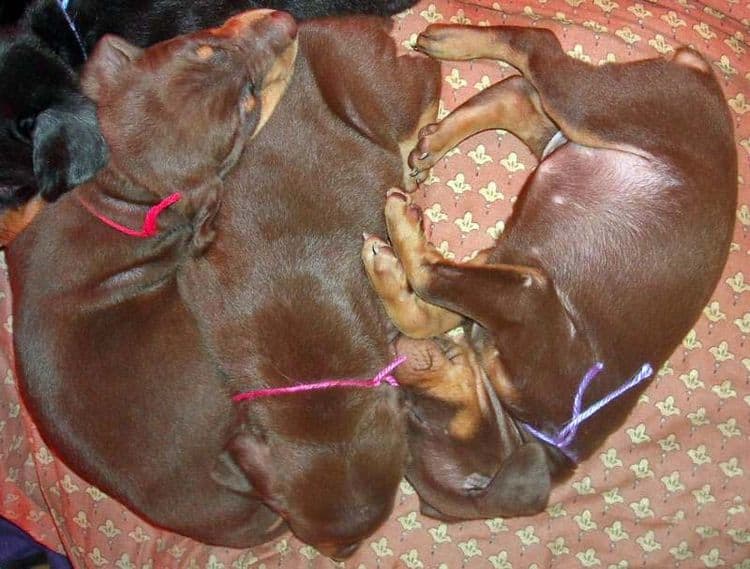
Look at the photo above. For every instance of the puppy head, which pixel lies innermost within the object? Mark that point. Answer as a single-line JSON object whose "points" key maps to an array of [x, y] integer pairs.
{"points": [[468, 459], [178, 113], [327, 462], [50, 140]]}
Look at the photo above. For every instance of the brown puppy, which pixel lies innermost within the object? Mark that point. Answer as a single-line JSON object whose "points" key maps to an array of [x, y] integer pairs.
{"points": [[130, 354], [614, 246]]}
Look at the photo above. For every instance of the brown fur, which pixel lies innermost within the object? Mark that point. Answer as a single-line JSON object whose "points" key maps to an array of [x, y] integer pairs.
{"points": [[129, 355], [614, 247]]}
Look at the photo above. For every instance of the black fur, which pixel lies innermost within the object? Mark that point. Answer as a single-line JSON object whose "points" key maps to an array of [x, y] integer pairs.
{"points": [[49, 136]]}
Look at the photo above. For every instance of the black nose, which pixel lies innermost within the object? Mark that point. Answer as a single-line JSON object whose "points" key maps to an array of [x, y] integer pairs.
{"points": [[345, 552]]}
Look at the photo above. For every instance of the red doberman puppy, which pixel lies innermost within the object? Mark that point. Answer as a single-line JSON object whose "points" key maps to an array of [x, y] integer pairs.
{"points": [[279, 149], [614, 247]]}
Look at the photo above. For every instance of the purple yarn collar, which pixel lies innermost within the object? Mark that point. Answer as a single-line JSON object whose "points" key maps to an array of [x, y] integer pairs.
{"points": [[565, 436], [384, 376]]}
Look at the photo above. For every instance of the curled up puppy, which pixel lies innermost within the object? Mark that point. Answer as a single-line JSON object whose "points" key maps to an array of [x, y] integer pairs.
{"points": [[614, 247]]}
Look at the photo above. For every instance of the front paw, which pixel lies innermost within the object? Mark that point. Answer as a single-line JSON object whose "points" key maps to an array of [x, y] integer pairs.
{"points": [[446, 41], [384, 269], [427, 152], [403, 220]]}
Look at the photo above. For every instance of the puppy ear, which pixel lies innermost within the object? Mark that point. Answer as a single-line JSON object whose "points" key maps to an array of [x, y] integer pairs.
{"points": [[521, 487], [110, 56], [226, 473], [253, 456], [204, 226], [68, 146]]}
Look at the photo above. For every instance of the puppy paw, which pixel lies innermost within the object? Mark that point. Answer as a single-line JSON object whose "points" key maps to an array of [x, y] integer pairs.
{"points": [[446, 41], [427, 152], [384, 269]]}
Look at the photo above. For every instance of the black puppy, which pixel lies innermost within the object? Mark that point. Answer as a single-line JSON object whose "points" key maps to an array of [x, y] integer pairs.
{"points": [[50, 140]]}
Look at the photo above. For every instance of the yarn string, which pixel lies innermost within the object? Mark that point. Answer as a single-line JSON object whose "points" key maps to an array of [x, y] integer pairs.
{"points": [[150, 226], [565, 436], [384, 376]]}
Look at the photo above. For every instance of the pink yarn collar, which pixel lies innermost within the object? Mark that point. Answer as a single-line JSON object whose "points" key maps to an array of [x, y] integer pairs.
{"points": [[149, 228], [383, 377]]}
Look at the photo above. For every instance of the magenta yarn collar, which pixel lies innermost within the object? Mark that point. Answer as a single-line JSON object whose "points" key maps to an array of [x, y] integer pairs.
{"points": [[384, 376]]}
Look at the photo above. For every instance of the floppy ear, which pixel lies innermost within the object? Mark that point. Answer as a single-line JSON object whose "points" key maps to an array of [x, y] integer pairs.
{"points": [[110, 56], [226, 473], [521, 487], [68, 146], [248, 466], [204, 221]]}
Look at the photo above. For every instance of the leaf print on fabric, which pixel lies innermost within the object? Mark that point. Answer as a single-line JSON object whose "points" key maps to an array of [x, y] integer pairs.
{"points": [[725, 390], [455, 80], [435, 213], [721, 352], [512, 164], [681, 552], [491, 194], [642, 469], [642, 508], [458, 184], [479, 155], [712, 558], [381, 548], [558, 547], [470, 549], [588, 558], [527, 536], [616, 532], [412, 560], [713, 312], [648, 542], [431, 14], [440, 534], [410, 521], [731, 468], [466, 223], [584, 521], [667, 407], [669, 443], [692, 380], [638, 434], [500, 561], [729, 429], [660, 44]]}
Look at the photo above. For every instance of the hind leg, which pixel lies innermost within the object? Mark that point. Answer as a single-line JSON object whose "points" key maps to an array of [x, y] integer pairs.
{"points": [[511, 105], [619, 106]]}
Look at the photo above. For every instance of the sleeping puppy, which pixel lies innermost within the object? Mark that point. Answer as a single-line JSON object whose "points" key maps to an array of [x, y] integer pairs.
{"points": [[613, 249], [128, 362], [50, 140]]}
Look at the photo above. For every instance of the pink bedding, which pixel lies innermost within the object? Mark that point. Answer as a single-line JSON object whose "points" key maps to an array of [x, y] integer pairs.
{"points": [[669, 489]]}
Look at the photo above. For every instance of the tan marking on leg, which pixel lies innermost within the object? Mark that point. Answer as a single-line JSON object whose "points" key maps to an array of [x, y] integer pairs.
{"points": [[404, 222], [411, 315]]}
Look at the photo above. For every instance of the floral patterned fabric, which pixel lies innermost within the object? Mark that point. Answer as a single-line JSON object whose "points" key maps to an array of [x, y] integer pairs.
{"points": [[669, 489]]}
